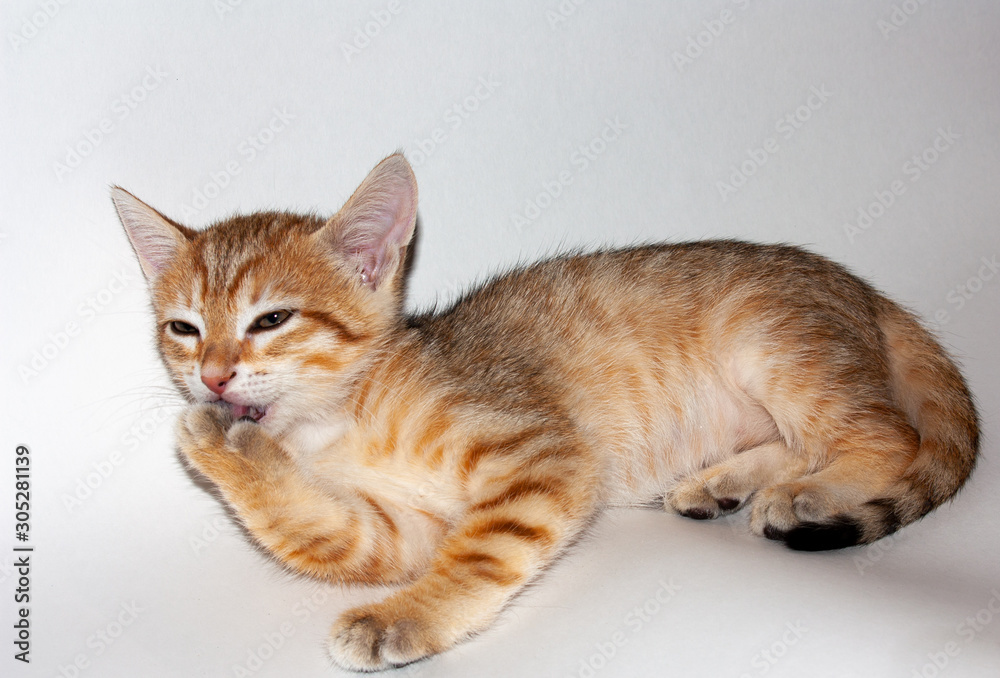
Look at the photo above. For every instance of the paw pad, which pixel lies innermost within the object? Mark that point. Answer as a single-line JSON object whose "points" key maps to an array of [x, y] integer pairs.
{"points": [[698, 514], [728, 504]]}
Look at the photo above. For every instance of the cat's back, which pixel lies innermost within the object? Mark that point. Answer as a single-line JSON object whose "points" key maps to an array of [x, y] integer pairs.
{"points": [[685, 289]]}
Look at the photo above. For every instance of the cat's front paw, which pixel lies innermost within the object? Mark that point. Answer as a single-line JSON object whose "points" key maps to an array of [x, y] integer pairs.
{"points": [[702, 499], [214, 443], [202, 429], [382, 636]]}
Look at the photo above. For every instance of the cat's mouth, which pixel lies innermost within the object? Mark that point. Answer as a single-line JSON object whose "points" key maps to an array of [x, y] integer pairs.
{"points": [[240, 411]]}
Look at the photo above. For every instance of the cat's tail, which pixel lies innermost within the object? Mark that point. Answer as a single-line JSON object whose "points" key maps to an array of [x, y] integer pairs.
{"points": [[930, 390]]}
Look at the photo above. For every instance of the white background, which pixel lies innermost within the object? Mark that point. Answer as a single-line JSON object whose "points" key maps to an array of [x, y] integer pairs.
{"points": [[162, 99]]}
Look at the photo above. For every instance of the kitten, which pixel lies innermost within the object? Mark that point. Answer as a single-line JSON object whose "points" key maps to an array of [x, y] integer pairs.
{"points": [[457, 453]]}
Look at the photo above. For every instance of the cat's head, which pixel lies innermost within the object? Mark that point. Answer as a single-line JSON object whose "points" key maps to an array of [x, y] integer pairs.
{"points": [[276, 313]]}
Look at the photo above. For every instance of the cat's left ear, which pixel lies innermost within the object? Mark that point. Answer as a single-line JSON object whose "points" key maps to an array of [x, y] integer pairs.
{"points": [[155, 239], [376, 224]]}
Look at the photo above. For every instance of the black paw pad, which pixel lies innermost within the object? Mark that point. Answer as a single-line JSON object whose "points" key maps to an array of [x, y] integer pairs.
{"points": [[728, 504], [837, 534], [698, 514]]}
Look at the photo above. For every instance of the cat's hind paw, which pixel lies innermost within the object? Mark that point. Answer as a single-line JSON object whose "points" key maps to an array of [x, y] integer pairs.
{"points": [[806, 516]]}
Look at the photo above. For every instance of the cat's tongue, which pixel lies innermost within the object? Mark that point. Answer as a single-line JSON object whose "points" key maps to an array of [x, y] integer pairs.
{"points": [[240, 411]]}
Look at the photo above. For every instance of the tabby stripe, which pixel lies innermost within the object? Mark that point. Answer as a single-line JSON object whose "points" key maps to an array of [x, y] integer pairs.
{"points": [[513, 528], [391, 438], [889, 514], [436, 457], [460, 577], [381, 513], [318, 551], [338, 327], [441, 524], [237, 281], [478, 452], [327, 362], [203, 275], [438, 424], [321, 551], [488, 567], [376, 569], [475, 558], [361, 398], [553, 453], [519, 490]]}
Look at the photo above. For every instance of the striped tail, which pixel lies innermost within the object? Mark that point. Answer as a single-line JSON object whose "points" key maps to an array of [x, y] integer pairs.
{"points": [[930, 390]]}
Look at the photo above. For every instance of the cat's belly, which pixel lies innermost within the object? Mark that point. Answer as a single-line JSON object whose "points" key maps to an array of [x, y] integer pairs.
{"points": [[688, 431], [651, 432]]}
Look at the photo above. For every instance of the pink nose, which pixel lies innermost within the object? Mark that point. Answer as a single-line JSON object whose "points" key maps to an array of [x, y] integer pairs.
{"points": [[216, 381]]}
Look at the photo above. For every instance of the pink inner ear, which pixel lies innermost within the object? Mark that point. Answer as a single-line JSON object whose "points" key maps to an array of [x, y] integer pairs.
{"points": [[378, 220], [370, 265], [395, 235], [156, 241]]}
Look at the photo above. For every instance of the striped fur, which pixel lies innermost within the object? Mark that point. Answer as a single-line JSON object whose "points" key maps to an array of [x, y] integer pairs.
{"points": [[459, 452]]}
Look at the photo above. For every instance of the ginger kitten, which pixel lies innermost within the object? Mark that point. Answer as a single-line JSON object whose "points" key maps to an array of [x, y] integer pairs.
{"points": [[457, 453]]}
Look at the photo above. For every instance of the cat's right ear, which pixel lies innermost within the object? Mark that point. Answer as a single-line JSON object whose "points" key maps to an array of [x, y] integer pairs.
{"points": [[155, 239], [372, 230]]}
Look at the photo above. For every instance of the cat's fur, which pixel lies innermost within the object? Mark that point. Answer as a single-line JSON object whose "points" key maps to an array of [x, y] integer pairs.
{"points": [[458, 453]]}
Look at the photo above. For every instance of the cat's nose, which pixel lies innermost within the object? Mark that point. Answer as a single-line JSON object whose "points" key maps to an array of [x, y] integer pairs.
{"points": [[216, 380]]}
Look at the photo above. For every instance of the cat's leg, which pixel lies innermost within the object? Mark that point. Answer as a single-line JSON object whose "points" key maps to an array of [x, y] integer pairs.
{"points": [[520, 516], [347, 539], [726, 486], [863, 456], [821, 373]]}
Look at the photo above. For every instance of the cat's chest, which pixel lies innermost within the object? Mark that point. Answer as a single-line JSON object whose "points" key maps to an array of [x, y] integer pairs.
{"points": [[345, 456], [310, 441]]}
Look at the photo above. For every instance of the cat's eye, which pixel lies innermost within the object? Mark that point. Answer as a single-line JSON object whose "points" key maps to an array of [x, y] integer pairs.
{"points": [[181, 327], [269, 320]]}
